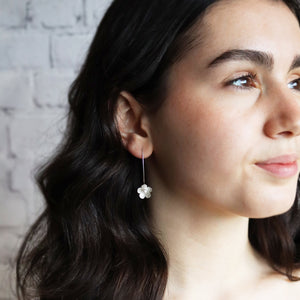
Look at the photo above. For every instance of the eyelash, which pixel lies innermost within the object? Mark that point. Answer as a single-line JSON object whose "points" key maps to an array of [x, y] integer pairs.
{"points": [[298, 83], [250, 79], [251, 82]]}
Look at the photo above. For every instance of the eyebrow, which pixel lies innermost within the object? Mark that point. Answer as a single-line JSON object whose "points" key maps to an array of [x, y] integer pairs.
{"points": [[258, 57], [296, 63]]}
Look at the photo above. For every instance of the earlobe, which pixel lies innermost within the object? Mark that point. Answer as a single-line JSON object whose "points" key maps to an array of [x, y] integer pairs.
{"points": [[133, 125]]}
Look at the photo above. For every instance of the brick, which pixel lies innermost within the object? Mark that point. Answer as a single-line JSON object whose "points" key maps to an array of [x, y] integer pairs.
{"points": [[22, 181], [56, 13], [37, 207], [7, 282], [51, 88], [9, 245], [22, 176], [24, 51], [5, 168], [95, 10], [69, 51], [35, 136], [3, 136], [12, 13], [16, 90], [13, 209]]}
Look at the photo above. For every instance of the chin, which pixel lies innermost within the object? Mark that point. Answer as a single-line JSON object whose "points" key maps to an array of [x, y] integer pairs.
{"points": [[264, 200], [265, 203], [272, 207]]}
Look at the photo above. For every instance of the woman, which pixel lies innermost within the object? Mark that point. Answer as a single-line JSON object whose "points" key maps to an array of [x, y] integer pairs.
{"points": [[208, 93]]}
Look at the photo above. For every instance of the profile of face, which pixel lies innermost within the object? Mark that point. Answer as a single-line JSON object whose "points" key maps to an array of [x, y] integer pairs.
{"points": [[227, 135]]}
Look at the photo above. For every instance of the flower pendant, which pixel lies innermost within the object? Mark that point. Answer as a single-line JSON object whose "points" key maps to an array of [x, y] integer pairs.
{"points": [[144, 191]]}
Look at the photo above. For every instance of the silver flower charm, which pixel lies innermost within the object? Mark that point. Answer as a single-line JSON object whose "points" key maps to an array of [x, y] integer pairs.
{"points": [[144, 191]]}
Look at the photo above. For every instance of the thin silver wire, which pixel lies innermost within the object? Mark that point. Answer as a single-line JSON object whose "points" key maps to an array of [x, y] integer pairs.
{"points": [[143, 164]]}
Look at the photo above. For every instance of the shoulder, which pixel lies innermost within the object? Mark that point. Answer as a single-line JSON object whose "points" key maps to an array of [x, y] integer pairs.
{"points": [[288, 289], [278, 287], [293, 290]]}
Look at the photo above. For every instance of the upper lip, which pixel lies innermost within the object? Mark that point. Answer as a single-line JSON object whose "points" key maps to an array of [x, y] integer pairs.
{"points": [[282, 159]]}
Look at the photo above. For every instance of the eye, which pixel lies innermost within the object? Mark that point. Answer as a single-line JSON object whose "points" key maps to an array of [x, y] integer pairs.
{"points": [[295, 84], [246, 81]]}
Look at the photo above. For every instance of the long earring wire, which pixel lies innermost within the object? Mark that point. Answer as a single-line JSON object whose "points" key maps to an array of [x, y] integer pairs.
{"points": [[144, 191], [143, 164]]}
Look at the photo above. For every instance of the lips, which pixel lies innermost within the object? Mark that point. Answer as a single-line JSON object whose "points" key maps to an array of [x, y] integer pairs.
{"points": [[283, 166]]}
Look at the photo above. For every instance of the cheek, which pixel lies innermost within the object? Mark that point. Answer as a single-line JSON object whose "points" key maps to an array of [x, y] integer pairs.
{"points": [[205, 153], [215, 140], [200, 149]]}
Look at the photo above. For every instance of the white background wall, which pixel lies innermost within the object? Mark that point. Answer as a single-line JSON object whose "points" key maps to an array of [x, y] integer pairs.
{"points": [[42, 44]]}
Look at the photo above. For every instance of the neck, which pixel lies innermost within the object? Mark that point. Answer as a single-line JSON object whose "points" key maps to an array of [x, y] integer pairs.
{"points": [[205, 247]]}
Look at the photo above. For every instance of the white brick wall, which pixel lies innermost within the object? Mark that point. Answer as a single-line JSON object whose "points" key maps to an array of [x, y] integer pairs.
{"points": [[24, 50], [95, 10], [3, 134], [45, 94], [69, 50], [56, 13], [13, 15], [13, 84], [42, 44]]}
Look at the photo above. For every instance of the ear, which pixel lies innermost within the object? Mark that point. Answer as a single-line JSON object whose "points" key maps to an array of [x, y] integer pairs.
{"points": [[133, 125]]}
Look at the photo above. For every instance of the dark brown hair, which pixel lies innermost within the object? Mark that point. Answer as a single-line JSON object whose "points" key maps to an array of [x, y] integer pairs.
{"points": [[94, 239]]}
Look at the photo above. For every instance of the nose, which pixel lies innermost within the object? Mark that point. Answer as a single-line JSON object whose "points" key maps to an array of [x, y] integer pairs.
{"points": [[283, 119]]}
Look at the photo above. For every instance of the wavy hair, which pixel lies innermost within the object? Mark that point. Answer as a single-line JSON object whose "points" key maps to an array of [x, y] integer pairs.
{"points": [[94, 239]]}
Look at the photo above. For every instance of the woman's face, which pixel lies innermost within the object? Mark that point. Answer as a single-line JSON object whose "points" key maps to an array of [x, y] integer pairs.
{"points": [[227, 136]]}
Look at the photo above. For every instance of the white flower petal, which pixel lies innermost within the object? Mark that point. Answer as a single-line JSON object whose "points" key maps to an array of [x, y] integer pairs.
{"points": [[144, 191]]}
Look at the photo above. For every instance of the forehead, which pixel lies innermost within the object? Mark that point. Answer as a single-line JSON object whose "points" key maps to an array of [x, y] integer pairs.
{"points": [[265, 26], [250, 23]]}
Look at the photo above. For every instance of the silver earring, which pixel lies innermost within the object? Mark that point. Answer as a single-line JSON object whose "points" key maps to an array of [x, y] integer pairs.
{"points": [[144, 191]]}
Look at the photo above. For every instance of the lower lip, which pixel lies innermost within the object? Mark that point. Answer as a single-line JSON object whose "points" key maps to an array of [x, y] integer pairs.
{"points": [[281, 170]]}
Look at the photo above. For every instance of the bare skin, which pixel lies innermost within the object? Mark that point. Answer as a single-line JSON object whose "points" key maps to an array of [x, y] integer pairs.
{"points": [[221, 119]]}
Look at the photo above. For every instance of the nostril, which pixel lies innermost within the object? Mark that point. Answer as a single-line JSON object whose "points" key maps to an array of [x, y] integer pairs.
{"points": [[286, 134]]}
